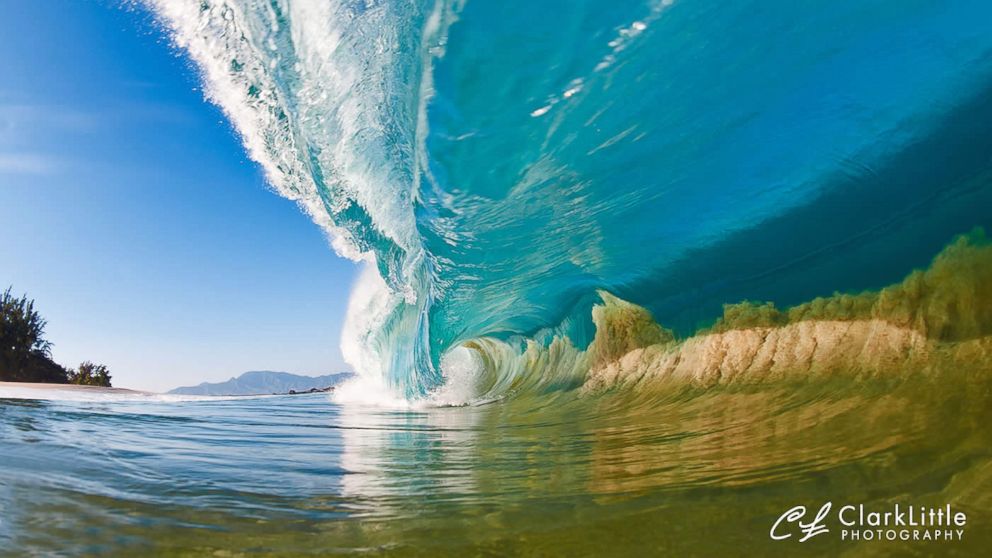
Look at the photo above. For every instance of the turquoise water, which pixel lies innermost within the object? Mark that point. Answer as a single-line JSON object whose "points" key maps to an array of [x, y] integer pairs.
{"points": [[499, 162]]}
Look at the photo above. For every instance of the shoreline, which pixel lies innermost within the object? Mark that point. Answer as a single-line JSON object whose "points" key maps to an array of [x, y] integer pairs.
{"points": [[73, 388], [7, 388]]}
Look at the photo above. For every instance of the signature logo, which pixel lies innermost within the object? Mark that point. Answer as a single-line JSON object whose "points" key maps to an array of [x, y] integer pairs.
{"points": [[795, 515], [860, 522]]}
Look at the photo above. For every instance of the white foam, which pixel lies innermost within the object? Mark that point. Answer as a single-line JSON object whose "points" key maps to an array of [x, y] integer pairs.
{"points": [[369, 306], [325, 110], [369, 391], [462, 370]]}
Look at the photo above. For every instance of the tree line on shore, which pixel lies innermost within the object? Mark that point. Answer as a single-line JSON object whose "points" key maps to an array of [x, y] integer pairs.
{"points": [[25, 354]]}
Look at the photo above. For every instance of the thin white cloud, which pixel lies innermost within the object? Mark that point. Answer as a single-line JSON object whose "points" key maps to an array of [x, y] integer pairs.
{"points": [[21, 118], [20, 123], [27, 163]]}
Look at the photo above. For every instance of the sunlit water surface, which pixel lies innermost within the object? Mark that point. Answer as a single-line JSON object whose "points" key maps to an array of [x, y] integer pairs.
{"points": [[674, 471]]}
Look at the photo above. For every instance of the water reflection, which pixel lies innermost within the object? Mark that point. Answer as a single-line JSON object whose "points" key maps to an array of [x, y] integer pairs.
{"points": [[675, 470], [386, 452]]}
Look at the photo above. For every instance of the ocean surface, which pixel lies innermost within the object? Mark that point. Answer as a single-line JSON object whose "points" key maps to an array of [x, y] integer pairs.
{"points": [[683, 472]]}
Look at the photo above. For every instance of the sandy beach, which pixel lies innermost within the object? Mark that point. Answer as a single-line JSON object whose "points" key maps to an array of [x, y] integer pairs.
{"points": [[71, 392], [71, 388]]}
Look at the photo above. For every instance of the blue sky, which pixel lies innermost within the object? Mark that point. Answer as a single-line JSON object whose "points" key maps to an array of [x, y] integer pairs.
{"points": [[131, 214]]}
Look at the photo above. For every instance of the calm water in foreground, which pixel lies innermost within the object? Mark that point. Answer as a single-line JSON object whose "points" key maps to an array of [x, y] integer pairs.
{"points": [[673, 472]]}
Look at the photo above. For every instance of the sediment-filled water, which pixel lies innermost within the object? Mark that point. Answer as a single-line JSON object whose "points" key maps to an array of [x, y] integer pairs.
{"points": [[688, 472]]}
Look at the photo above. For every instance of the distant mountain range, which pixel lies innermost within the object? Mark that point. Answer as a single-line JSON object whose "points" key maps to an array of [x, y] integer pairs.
{"points": [[263, 382]]}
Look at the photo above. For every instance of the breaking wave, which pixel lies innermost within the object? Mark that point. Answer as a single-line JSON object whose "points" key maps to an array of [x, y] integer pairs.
{"points": [[534, 188]]}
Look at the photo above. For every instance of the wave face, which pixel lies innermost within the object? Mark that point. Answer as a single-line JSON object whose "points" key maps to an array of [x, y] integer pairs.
{"points": [[500, 162]]}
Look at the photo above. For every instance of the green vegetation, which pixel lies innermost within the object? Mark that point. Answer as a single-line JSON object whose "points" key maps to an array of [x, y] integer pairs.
{"points": [[25, 354], [90, 374]]}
